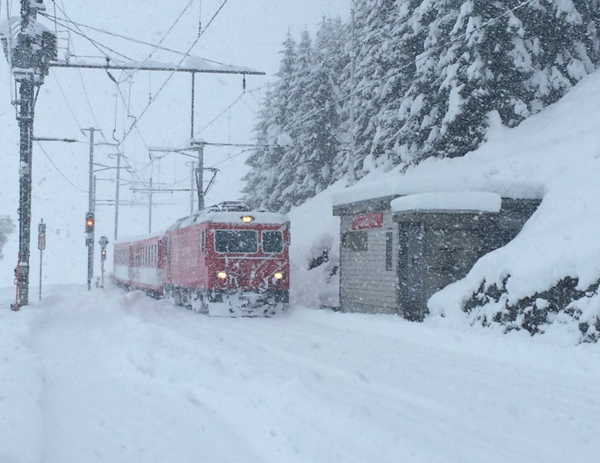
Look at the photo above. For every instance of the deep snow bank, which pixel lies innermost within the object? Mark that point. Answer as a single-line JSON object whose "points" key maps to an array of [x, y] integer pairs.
{"points": [[549, 272], [115, 377]]}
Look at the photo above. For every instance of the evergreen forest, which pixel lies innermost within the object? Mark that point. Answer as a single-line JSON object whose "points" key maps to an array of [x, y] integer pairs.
{"points": [[406, 80]]}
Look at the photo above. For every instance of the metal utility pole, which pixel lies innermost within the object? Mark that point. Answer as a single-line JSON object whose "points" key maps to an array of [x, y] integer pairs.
{"points": [[41, 247], [29, 50], [192, 187], [150, 207], [118, 187], [89, 240], [200, 176]]}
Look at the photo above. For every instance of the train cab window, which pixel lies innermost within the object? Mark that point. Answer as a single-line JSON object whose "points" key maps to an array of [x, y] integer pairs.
{"points": [[245, 241], [272, 242]]}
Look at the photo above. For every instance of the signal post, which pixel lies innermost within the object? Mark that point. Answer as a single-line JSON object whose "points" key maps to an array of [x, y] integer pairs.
{"points": [[103, 242], [41, 247], [90, 223]]}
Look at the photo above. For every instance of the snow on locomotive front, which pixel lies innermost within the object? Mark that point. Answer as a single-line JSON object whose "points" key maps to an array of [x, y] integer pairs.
{"points": [[228, 260]]}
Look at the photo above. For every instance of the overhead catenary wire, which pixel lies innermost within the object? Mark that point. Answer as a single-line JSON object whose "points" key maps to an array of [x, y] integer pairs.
{"points": [[187, 7], [84, 35], [78, 31], [123, 157], [59, 171], [98, 45], [173, 72], [66, 100], [65, 22]]}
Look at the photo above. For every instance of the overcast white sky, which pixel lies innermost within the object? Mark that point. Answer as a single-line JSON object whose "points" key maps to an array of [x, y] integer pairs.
{"points": [[245, 32]]}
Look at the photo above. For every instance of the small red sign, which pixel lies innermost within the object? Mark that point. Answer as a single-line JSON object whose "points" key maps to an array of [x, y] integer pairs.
{"points": [[363, 222], [41, 242]]}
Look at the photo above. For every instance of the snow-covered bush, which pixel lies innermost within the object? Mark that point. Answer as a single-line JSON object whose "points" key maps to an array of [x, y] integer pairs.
{"points": [[564, 303]]}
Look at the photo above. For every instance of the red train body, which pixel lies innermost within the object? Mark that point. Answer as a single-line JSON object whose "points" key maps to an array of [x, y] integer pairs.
{"points": [[225, 260]]}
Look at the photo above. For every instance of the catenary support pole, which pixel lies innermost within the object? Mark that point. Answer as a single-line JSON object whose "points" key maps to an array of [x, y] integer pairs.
{"points": [[28, 59], [118, 187], [25, 120], [193, 105], [192, 188], [90, 238], [150, 207], [200, 177]]}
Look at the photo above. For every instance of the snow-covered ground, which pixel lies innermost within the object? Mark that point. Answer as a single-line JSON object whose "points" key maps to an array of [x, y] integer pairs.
{"points": [[113, 377]]}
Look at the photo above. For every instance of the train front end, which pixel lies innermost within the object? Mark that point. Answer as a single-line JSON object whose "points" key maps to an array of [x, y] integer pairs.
{"points": [[230, 263], [249, 271]]}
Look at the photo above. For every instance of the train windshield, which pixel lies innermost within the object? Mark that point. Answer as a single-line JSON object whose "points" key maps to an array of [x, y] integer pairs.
{"points": [[272, 242], [236, 241]]}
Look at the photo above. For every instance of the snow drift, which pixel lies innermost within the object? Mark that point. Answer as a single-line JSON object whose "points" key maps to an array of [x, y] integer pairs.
{"points": [[549, 273]]}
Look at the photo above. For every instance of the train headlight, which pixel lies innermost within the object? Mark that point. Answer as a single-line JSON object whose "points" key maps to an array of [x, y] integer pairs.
{"points": [[247, 219], [222, 275], [278, 275]]}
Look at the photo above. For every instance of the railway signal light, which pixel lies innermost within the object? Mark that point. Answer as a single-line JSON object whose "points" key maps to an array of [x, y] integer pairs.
{"points": [[103, 243], [89, 222]]}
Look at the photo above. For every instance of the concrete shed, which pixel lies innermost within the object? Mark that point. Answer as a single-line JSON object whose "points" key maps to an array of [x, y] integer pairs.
{"points": [[397, 251]]}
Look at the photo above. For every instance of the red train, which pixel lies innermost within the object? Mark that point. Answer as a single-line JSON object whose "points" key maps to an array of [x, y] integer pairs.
{"points": [[224, 260]]}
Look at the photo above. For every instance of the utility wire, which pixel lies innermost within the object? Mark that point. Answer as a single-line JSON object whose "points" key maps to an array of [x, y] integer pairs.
{"points": [[171, 28], [172, 73], [83, 83], [219, 115], [124, 37], [229, 107], [58, 170], [66, 100], [98, 45], [249, 107], [83, 34]]}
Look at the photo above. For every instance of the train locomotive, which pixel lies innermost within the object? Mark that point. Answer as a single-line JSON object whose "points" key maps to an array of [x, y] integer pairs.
{"points": [[226, 260]]}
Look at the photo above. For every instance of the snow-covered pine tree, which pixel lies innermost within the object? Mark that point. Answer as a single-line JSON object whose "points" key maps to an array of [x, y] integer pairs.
{"points": [[263, 162], [294, 179], [316, 124], [302, 118], [484, 68], [373, 25], [6, 228], [267, 161], [331, 58], [562, 38], [405, 44], [481, 56]]}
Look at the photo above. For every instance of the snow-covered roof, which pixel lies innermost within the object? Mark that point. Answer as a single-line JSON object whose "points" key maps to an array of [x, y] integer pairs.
{"points": [[212, 216], [448, 202], [435, 176], [133, 238]]}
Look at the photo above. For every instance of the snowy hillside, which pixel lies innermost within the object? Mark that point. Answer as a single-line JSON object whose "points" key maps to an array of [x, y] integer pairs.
{"points": [[553, 155]]}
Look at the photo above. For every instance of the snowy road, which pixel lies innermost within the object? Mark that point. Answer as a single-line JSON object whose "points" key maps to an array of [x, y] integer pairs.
{"points": [[116, 378]]}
